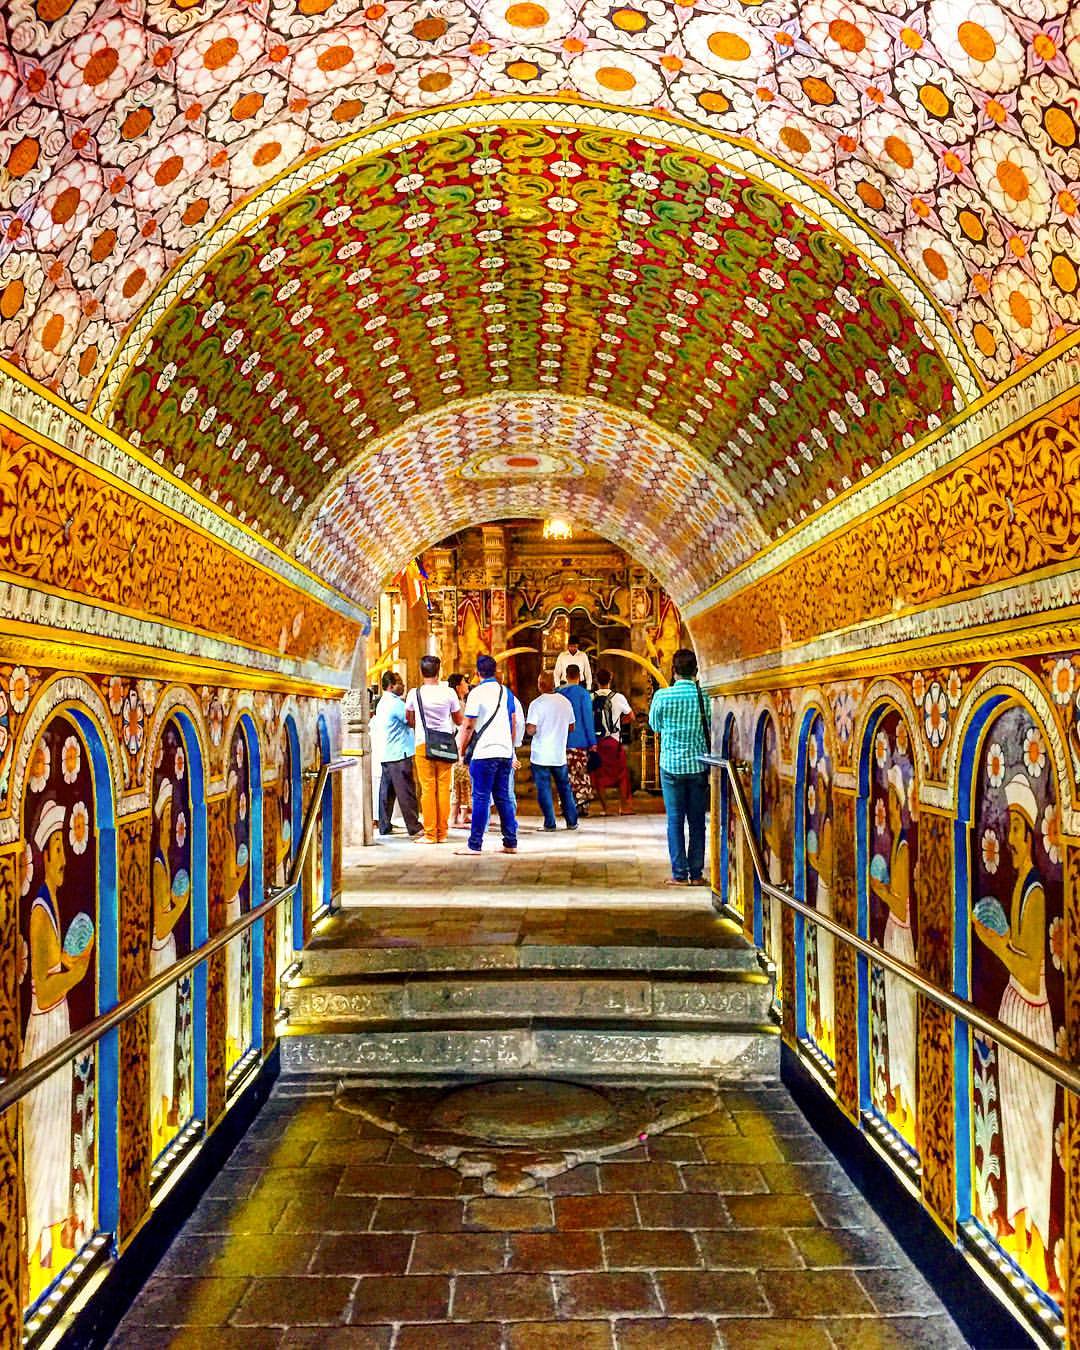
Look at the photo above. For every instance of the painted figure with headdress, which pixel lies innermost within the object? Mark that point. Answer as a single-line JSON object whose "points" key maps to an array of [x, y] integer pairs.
{"points": [[170, 900], [235, 870], [1027, 1095], [819, 856], [901, 1000], [56, 966]]}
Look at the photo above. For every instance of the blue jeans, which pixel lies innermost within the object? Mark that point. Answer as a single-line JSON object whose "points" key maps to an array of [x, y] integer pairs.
{"points": [[492, 780], [686, 801], [542, 777]]}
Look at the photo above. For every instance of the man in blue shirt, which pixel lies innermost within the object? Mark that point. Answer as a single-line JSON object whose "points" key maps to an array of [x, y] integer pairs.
{"points": [[581, 740], [680, 717], [397, 771]]}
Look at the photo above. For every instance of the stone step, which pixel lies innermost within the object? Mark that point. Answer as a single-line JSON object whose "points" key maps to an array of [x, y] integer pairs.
{"points": [[537, 1048], [336, 961], [727, 999]]}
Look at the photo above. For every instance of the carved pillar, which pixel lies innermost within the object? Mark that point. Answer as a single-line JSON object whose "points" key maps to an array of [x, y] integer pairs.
{"points": [[495, 580], [641, 611], [133, 859], [934, 887]]}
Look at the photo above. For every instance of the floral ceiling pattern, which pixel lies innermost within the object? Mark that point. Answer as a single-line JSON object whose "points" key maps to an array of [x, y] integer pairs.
{"points": [[587, 263], [129, 127], [493, 458]]}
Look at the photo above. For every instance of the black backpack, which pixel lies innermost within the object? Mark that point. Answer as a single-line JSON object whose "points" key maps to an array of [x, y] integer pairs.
{"points": [[603, 718]]}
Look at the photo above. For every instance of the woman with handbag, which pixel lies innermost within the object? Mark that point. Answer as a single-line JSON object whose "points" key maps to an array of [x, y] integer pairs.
{"points": [[433, 710]]}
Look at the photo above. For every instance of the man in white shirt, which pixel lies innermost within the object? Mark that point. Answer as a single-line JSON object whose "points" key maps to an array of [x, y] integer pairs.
{"points": [[573, 657], [494, 727], [549, 721], [612, 714], [433, 707]]}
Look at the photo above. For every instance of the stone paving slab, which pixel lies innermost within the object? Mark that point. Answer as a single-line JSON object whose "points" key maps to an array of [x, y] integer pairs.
{"points": [[657, 1248]]}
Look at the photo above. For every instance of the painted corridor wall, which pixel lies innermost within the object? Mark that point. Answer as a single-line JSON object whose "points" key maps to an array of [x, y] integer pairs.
{"points": [[137, 817], [934, 812]]}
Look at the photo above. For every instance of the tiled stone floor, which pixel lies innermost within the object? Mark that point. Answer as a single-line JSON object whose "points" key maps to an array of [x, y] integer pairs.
{"points": [[608, 860], [736, 1229]]}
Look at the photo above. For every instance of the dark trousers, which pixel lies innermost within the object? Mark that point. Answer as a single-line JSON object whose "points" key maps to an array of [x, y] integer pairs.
{"points": [[543, 775], [686, 801], [397, 785], [492, 780]]}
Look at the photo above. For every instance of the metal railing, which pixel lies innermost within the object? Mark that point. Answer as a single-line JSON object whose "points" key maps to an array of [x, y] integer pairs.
{"points": [[1062, 1071], [13, 1089]]}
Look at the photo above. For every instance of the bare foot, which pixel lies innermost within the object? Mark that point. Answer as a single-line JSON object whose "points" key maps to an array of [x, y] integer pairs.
{"points": [[466, 853]]}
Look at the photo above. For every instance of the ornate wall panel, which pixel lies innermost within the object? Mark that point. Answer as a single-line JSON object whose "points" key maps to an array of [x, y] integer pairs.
{"points": [[937, 1134], [1004, 512], [133, 861], [847, 1049], [70, 529], [11, 1302], [1072, 1102], [217, 827]]}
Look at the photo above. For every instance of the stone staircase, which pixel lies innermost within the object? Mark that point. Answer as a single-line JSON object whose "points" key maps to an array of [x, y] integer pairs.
{"points": [[611, 991]]}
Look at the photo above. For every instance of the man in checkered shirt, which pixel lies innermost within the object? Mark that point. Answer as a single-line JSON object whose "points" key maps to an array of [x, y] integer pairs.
{"points": [[680, 716]]}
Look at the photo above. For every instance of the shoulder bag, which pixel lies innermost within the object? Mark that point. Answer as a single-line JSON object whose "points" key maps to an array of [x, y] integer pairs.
{"points": [[470, 749], [440, 745]]}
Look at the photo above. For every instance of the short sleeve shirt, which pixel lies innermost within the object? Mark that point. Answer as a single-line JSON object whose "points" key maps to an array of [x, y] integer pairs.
{"points": [[440, 704], [497, 741], [551, 715], [584, 733]]}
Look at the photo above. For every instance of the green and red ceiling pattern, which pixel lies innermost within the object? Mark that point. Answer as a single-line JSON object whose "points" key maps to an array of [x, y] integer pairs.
{"points": [[128, 128], [585, 264]]}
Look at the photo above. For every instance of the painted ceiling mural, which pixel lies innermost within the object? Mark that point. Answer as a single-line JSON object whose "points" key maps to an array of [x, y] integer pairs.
{"points": [[128, 127], [504, 456], [587, 263]]}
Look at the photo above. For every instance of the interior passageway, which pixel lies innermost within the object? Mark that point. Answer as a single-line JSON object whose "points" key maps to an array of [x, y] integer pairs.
{"points": [[337, 1221]]}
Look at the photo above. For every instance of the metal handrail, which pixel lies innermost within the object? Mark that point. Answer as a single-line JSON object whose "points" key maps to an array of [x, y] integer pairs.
{"points": [[1062, 1071], [33, 1075]]}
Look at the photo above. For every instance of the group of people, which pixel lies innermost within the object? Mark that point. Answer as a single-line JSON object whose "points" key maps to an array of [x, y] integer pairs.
{"points": [[578, 747], [578, 751]]}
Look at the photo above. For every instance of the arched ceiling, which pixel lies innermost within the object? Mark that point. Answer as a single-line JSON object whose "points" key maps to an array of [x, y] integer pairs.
{"points": [[513, 260], [128, 129], [529, 455]]}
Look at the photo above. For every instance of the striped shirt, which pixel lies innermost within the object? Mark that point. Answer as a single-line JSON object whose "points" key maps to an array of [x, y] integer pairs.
{"points": [[675, 715]]}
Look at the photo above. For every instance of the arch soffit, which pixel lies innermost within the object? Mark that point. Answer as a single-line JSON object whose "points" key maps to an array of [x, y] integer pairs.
{"points": [[811, 699], [178, 698], [242, 701], [649, 544], [54, 695], [1019, 684], [765, 706], [620, 418], [730, 153], [889, 691], [292, 708]]}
